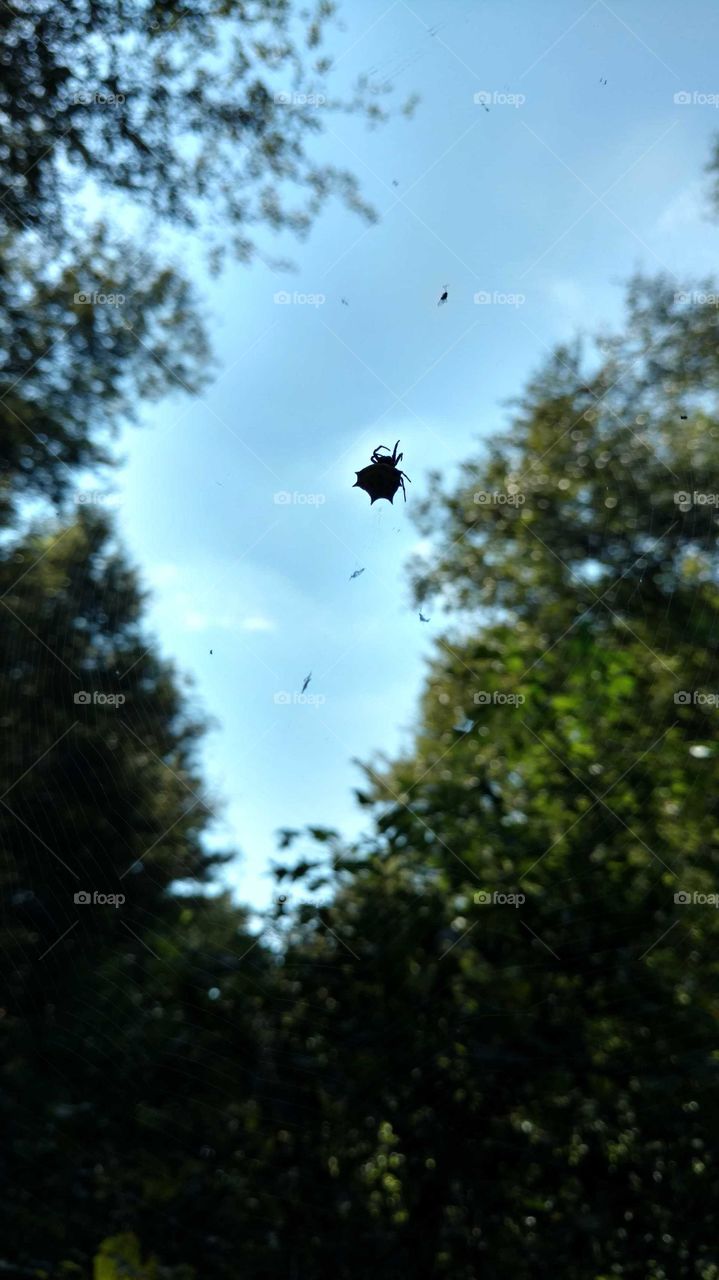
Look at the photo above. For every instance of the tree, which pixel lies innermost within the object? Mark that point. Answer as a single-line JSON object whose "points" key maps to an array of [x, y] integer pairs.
{"points": [[100, 795], [116, 1007], [531, 1087], [171, 105], [74, 367]]}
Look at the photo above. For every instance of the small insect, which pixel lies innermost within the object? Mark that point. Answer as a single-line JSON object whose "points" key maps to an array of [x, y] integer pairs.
{"points": [[210, 652], [684, 417], [443, 298], [344, 302], [423, 619], [307, 680], [395, 182], [602, 81], [382, 478], [483, 104], [357, 572]]}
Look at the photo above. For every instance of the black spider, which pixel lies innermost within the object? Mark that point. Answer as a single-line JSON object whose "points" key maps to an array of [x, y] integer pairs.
{"points": [[382, 478]]}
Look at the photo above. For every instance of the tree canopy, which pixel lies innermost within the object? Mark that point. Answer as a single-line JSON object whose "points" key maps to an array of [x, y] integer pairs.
{"points": [[492, 1050]]}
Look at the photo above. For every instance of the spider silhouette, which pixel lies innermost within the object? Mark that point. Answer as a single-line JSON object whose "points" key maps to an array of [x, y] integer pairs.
{"points": [[382, 478]]}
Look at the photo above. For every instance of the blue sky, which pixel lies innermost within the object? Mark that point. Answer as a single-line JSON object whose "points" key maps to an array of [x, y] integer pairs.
{"points": [[557, 198]]}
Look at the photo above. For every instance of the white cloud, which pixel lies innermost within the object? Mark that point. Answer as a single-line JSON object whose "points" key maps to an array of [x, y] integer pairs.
{"points": [[162, 574], [688, 209], [569, 297], [257, 623], [193, 621]]}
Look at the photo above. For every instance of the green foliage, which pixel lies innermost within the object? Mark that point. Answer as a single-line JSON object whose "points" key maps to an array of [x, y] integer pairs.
{"points": [[548, 1069], [406, 1078], [119, 1259], [69, 362], [169, 104]]}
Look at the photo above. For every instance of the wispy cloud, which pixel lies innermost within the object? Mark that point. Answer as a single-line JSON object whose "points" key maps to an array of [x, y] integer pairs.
{"points": [[196, 620], [686, 210], [257, 623]]}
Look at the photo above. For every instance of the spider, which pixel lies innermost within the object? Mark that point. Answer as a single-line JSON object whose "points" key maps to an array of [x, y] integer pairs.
{"points": [[382, 478]]}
